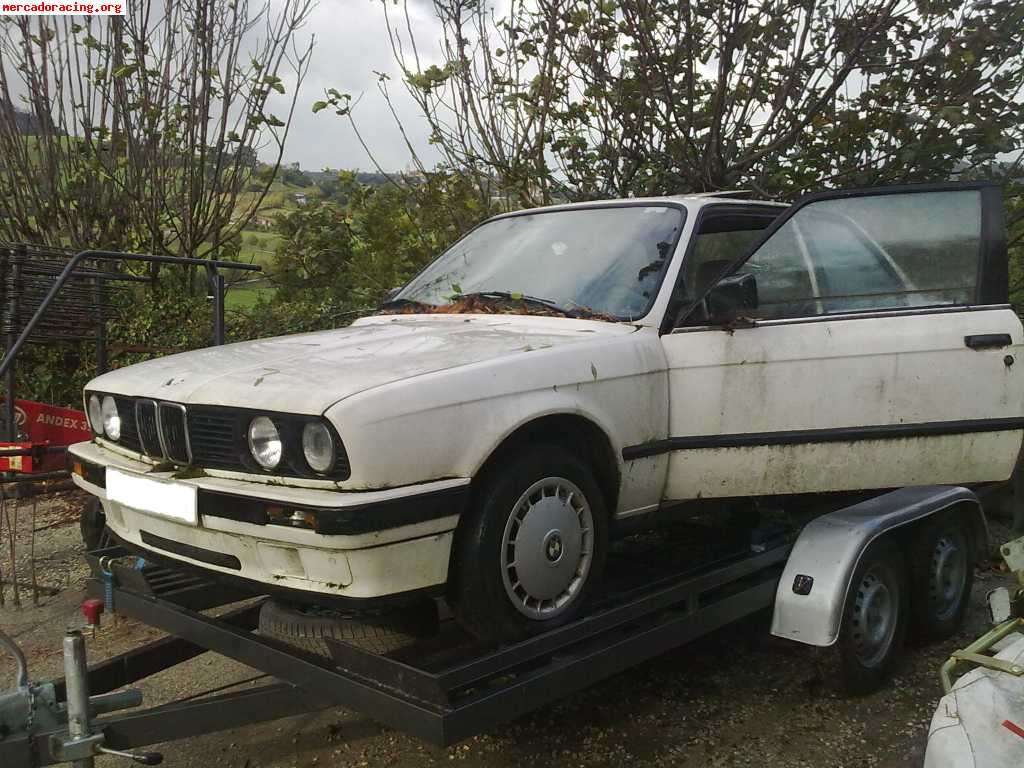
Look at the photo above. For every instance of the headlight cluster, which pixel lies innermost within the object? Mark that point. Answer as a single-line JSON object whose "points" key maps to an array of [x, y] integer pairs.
{"points": [[268, 447], [219, 437], [104, 418]]}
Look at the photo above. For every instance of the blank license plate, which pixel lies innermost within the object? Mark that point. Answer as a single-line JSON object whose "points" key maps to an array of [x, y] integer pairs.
{"points": [[165, 498]]}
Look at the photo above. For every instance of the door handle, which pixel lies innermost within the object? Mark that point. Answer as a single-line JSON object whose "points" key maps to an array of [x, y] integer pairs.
{"points": [[988, 340]]}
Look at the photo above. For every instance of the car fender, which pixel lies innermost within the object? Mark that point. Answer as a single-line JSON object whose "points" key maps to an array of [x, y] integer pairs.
{"points": [[448, 423], [814, 586]]}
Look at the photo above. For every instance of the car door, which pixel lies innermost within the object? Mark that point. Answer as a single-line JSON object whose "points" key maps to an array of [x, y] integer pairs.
{"points": [[882, 353]]}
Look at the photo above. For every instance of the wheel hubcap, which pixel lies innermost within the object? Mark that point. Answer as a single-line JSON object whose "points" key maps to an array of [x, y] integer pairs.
{"points": [[547, 548], [948, 575], [874, 617]]}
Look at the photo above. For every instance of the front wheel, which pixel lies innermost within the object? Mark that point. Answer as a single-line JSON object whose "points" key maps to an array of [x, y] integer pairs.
{"points": [[532, 550], [92, 524]]}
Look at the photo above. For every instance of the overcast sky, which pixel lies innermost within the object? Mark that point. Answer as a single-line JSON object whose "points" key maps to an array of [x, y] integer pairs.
{"points": [[351, 42]]}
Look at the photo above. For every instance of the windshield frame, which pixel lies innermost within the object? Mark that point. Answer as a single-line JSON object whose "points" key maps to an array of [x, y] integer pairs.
{"points": [[565, 208]]}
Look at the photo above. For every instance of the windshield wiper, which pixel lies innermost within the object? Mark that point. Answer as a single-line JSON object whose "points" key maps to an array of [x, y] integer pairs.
{"points": [[509, 296]]}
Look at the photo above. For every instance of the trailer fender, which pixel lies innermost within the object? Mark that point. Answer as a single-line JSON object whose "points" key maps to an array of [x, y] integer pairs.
{"points": [[814, 585]]}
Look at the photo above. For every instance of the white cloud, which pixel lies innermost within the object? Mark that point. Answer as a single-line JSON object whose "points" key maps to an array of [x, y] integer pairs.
{"points": [[352, 43]]}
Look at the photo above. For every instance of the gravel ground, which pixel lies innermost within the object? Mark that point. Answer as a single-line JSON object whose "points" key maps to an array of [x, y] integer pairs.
{"points": [[735, 698]]}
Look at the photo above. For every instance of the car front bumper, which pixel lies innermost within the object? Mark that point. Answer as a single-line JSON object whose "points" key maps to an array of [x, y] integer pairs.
{"points": [[372, 544]]}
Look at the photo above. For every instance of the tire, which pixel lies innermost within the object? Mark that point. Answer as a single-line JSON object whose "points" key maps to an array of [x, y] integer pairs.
{"points": [[92, 524], [384, 631], [875, 619], [942, 574], [547, 502]]}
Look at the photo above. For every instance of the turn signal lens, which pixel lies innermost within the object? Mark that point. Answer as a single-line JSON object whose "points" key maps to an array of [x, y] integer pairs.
{"points": [[296, 518]]}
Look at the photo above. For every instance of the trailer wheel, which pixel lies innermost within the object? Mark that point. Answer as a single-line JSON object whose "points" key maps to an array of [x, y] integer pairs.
{"points": [[942, 575], [306, 626], [92, 524], [874, 619], [530, 553]]}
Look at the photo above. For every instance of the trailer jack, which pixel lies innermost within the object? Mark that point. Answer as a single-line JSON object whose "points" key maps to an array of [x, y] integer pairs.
{"points": [[32, 707]]}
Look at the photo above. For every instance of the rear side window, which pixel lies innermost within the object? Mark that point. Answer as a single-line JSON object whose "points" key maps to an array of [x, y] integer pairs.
{"points": [[876, 252]]}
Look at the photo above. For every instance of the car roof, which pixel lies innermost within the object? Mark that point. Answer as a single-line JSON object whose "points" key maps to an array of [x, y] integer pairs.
{"points": [[691, 201]]}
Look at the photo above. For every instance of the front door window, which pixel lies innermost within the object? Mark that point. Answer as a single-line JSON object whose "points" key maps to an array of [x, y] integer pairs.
{"points": [[877, 252]]}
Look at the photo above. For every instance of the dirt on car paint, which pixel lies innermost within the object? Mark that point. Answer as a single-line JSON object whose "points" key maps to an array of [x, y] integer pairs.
{"points": [[736, 698]]}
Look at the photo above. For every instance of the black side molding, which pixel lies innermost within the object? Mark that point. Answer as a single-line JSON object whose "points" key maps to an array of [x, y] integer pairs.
{"points": [[344, 521], [382, 515], [833, 435], [988, 340], [193, 553]]}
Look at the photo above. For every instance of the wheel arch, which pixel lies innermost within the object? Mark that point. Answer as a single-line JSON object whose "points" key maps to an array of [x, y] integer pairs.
{"points": [[830, 547], [972, 510], [570, 431]]}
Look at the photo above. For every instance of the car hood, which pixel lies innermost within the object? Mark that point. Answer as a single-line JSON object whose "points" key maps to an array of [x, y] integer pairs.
{"points": [[307, 373]]}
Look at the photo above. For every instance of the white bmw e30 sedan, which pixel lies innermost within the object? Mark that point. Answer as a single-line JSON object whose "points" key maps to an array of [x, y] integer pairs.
{"points": [[561, 372]]}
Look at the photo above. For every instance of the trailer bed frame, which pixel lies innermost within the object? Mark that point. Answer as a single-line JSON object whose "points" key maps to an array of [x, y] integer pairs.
{"points": [[441, 691]]}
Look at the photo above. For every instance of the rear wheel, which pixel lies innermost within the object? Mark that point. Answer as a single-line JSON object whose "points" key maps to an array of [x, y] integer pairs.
{"points": [[532, 550], [874, 619], [943, 575]]}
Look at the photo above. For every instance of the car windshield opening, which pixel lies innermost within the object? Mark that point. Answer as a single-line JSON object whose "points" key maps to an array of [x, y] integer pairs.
{"points": [[604, 262]]}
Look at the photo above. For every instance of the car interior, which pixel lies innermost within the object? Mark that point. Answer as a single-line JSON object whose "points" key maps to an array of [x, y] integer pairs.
{"points": [[724, 235]]}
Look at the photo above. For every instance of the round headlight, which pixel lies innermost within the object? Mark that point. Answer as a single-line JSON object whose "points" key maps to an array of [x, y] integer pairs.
{"points": [[318, 446], [111, 418], [95, 414], [265, 442]]}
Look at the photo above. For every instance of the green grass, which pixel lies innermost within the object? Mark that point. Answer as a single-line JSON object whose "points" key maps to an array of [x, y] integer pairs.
{"points": [[245, 296], [259, 248], [279, 197], [270, 212]]}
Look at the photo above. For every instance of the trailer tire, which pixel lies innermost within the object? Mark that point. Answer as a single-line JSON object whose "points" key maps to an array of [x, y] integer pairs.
{"points": [[942, 574], [875, 619], [543, 509], [307, 627]]}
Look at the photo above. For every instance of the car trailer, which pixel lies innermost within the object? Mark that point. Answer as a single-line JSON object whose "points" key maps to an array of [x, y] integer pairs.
{"points": [[447, 688]]}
